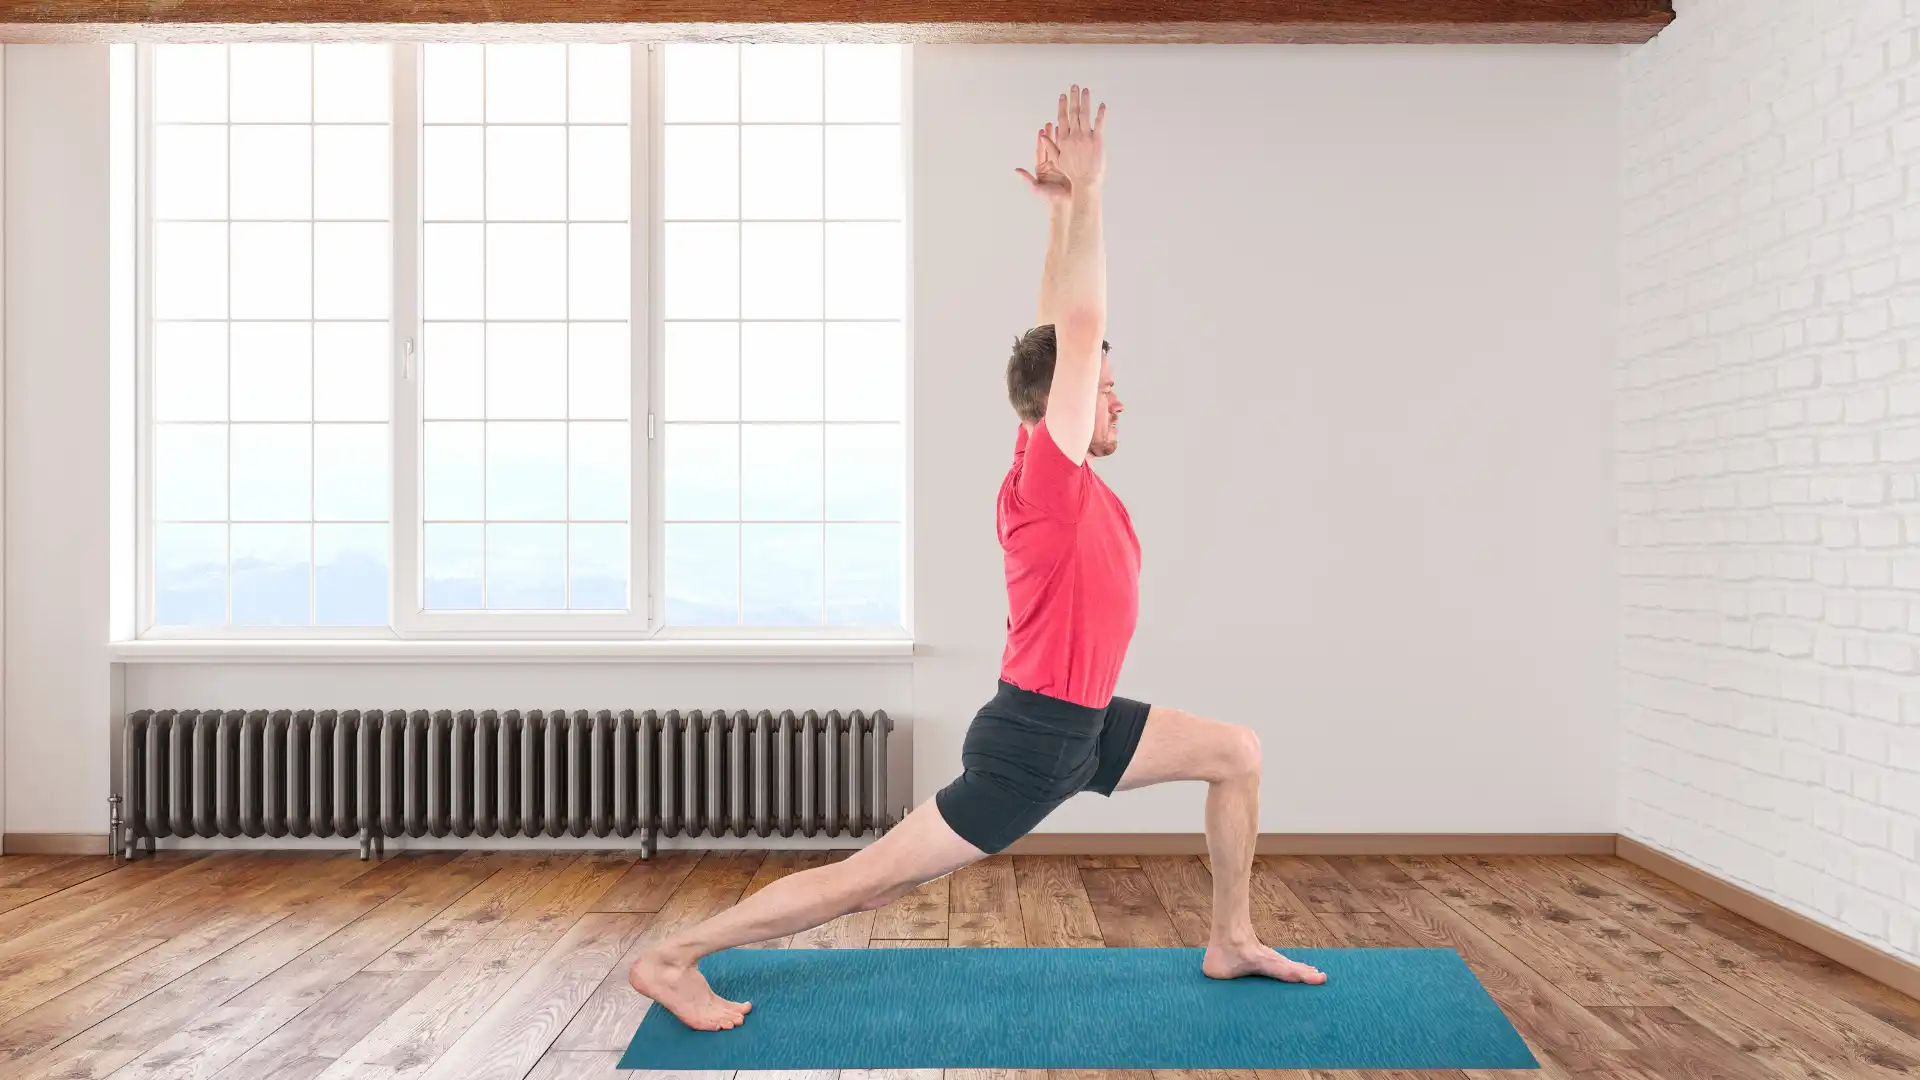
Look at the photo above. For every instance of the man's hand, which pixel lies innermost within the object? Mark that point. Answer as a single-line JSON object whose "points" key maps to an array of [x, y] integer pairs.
{"points": [[1046, 179], [1078, 140]]}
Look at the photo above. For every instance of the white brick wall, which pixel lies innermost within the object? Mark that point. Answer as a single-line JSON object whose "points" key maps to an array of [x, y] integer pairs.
{"points": [[1769, 453]]}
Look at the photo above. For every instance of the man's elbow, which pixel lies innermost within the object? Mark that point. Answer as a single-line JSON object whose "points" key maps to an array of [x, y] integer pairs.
{"points": [[1080, 327]]}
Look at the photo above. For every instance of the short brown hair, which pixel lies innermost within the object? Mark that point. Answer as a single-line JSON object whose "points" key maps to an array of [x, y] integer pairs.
{"points": [[1030, 372]]}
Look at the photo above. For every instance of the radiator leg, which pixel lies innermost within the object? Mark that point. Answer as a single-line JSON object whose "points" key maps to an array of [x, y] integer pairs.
{"points": [[153, 846], [113, 825], [366, 843], [647, 843]]}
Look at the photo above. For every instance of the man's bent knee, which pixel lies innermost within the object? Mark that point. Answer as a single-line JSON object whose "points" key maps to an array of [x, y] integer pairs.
{"points": [[1242, 753]]}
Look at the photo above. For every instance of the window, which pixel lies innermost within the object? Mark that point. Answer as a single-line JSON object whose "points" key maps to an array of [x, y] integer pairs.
{"points": [[523, 339], [269, 339], [782, 337], [527, 349]]}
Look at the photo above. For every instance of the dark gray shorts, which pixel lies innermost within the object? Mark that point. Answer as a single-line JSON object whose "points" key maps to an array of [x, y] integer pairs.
{"points": [[1027, 753]]}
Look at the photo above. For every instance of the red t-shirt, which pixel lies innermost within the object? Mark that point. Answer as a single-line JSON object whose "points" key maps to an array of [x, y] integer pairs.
{"points": [[1073, 575]]}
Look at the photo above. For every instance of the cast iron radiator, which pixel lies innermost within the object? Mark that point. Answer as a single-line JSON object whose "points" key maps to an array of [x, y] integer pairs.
{"points": [[381, 773]]}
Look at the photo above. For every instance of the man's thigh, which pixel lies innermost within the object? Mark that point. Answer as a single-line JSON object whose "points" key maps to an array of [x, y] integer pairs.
{"points": [[1178, 745]]}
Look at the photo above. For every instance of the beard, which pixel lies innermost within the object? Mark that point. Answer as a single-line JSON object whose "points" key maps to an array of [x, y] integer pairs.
{"points": [[1104, 445]]}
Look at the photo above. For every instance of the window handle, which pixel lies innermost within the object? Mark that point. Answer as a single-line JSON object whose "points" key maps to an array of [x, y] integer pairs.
{"points": [[406, 360]]}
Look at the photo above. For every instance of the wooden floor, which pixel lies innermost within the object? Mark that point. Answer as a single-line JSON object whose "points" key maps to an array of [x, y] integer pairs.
{"points": [[510, 965]]}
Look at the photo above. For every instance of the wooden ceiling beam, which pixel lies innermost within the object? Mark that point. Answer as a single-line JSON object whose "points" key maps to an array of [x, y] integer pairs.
{"points": [[935, 21]]}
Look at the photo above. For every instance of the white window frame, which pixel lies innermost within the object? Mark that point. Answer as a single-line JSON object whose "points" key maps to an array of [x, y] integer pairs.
{"points": [[407, 618], [410, 618]]}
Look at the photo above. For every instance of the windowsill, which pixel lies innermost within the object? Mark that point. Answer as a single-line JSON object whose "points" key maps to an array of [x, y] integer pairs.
{"points": [[388, 651]]}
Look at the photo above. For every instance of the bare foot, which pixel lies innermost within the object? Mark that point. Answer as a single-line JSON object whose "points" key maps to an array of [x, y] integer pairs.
{"points": [[1253, 958], [685, 993]]}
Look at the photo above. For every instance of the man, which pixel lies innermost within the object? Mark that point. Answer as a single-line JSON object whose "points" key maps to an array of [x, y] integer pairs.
{"points": [[1055, 728]]}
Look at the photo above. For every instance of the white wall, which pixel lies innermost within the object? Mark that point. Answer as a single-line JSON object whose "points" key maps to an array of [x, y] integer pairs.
{"points": [[1363, 323], [1769, 430], [56, 688]]}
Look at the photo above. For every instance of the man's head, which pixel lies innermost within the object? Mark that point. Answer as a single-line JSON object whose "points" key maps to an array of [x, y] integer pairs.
{"points": [[1030, 377]]}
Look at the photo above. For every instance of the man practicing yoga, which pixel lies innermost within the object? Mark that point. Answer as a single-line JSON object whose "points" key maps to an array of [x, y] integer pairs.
{"points": [[1055, 728]]}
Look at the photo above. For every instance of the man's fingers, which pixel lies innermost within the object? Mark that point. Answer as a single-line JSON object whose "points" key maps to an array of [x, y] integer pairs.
{"points": [[1060, 121], [1100, 119], [1028, 177], [1053, 147]]}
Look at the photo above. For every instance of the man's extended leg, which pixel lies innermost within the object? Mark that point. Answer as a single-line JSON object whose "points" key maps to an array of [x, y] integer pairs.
{"points": [[919, 849], [1178, 745]]}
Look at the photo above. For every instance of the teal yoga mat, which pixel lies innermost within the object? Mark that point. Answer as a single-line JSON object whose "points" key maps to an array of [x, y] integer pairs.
{"points": [[1085, 1009]]}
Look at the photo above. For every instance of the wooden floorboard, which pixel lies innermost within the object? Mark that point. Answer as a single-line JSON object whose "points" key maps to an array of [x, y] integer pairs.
{"points": [[512, 966]]}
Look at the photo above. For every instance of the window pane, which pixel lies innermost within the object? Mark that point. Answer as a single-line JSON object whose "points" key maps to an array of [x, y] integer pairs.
{"points": [[456, 268], [350, 472], [189, 172], [454, 567], [272, 170], [864, 468], [703, 271], [453, 173], [599, 90], [863, 575], [865, 271], [599, 359], [703, 371], [780, 271], [455, 471], [598, 168], [780, 575], [272, 270], [190, 84], [190, 472], [351, 177], [272, 473], [780, 83], [599, 272], [780, 375], [703, 575], [526, 567], [292, 132], [351, 377], [526, 371], [526, 271], [863, 172], [352, 83], [866, 371], [526, 471], [863, 83], [272, 371], [527, 173], [780, 472], [272, 575], [702, 84], [272, 83], [190, 371], [780, 172], [190, 575], [350, 268], [452, 84], [350, 575], [702, 173], [189, 271], [526, 84], [597, 471], [597, 564], [454, 366], [702, 472]]}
